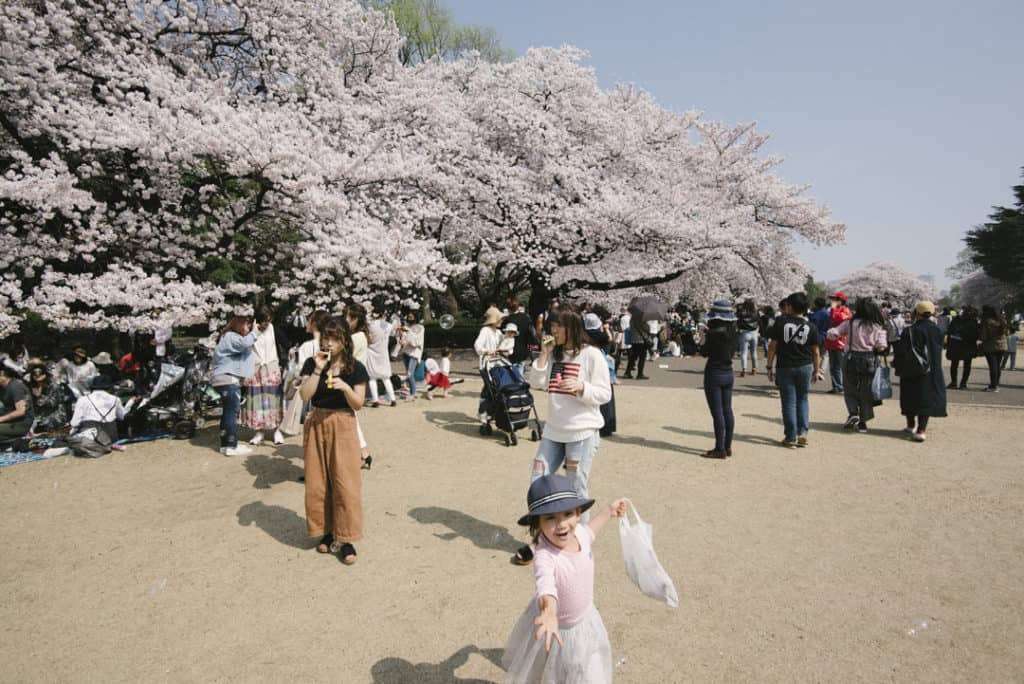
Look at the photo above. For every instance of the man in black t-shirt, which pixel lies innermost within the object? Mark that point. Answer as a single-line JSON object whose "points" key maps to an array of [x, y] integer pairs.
{"points": [[16, 414], [794, 342]]}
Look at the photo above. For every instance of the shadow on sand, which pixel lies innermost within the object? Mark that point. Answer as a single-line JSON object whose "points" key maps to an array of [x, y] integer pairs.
{"points": [[483, 534], [271, 470], [401, 671], [283, 524]]}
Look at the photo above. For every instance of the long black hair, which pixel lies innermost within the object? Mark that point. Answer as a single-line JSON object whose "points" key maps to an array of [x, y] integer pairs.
{"points": [[867, 310]]}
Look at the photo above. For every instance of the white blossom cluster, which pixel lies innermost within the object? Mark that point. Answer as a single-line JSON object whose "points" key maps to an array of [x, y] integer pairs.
{"points": [[160, 160], [886, 282]]}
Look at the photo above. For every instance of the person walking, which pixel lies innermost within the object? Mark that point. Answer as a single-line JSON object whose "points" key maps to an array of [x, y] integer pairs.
{"points": [[1012, 342], [748, 329], [719, 347], [820, 318], [639, 343], [378, 363], [994, 343], [836, 347], [866, 339], [962, 345], [764, 324], [526, 339], [794, 341], [233, 363], [922, 396], [488, 340], [576, 378], [335, 385], [263, 409], [410, 346]]}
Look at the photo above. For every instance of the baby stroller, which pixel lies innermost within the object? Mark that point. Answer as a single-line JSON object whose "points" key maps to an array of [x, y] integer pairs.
{"points": [[179, 400], [509, 402]]}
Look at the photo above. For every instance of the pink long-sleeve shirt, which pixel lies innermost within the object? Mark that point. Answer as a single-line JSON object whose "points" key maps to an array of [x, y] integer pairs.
{"points": [[568, 576], [866, 336]]}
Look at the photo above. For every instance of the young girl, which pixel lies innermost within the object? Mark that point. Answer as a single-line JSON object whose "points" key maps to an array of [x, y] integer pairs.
{"points": [[438, 374], [335, 384], [576, 378], [563, 609]]}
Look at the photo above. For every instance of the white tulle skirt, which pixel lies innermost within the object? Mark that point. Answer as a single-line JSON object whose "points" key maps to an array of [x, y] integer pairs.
{"points": [[585, 658]]}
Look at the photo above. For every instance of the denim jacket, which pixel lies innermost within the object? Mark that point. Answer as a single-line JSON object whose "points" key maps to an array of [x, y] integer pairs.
{"points": [[233, 355]]}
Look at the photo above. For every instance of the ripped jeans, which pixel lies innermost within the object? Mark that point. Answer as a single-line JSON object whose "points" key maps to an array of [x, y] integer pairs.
{"points": [[577, 457]]}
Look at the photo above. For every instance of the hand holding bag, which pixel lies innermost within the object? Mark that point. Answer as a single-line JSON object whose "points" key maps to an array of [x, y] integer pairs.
{"points": [[642, 564]]}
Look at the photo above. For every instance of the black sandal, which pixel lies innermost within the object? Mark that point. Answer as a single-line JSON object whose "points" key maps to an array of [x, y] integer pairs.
{"points": [[367, 462], [524, 556], [346, 552], [325, 543]]}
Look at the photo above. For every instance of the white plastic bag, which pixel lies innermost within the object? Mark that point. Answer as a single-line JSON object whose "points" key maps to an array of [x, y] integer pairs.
{"points": [[642, 564]]}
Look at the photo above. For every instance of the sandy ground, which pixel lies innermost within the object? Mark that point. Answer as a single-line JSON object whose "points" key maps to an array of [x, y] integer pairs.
{"points": [[862, 558]]}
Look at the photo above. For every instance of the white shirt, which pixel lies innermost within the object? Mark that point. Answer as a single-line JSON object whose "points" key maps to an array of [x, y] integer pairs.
{"points": [[446, 366], [487, 342], [573, 418], [98, 406], [654, 327]]}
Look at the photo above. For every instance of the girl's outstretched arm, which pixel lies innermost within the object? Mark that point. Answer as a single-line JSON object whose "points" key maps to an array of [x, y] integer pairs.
{"points": [[616, 509], [547, 622]]}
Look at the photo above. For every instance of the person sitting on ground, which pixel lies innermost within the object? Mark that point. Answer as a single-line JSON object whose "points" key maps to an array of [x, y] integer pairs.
{"points": [[78, 372], [94, 421], [16, 357], [49, 399], [16, 418]]}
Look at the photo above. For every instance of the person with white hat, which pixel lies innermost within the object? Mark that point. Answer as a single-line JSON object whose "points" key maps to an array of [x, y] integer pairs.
{"points": [[486, 347], [507, 346]]}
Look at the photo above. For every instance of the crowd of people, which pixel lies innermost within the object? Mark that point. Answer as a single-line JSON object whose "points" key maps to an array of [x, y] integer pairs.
{"points": [[572, 353]]}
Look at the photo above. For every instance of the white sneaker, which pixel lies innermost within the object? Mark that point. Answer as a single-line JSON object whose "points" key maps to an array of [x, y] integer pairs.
{"points": [[918, 437], [278, 437], [257, 439], [240, 450]]}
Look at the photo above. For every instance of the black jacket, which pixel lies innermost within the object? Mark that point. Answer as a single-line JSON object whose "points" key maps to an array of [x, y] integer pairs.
{"points": [[926, 395]]}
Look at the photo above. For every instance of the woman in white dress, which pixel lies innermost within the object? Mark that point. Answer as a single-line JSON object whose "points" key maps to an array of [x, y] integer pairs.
{"points": [[378, 363]]}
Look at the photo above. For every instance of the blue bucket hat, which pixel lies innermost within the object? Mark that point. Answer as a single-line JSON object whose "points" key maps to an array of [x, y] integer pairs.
{"points": [[552, 494], [721, 309]]}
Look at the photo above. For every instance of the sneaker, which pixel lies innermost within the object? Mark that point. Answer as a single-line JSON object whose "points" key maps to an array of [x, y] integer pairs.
{"points": [[257, 439], [801, 441], [951, 385], [862, 428], [374, 404], [642, 377], [788, 443], [240, 450], [991, 389], [394, 403], [627, 376], [278, 437], [851, 422], [910, 431], [919, 437]]}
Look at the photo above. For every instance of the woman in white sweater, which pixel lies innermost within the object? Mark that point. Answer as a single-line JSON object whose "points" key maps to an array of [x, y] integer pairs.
{"points": [[575, 375]]}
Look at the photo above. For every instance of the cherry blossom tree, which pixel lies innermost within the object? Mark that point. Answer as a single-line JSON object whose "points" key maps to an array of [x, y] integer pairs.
{"points": [[203, 144], [886, 282], [980, 289]]}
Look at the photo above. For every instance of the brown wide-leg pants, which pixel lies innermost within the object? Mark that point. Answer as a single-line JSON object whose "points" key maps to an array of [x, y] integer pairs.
{"points": [[334, 486]]}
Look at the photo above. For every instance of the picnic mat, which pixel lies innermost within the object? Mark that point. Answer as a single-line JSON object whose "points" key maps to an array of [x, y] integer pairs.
{"points": [[9, 458]]}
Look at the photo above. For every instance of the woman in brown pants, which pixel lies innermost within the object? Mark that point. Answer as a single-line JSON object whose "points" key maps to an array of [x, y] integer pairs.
{"points": [[335, 384]]}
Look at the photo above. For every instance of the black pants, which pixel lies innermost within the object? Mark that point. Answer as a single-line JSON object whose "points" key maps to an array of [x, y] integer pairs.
{"points": [[637, 357], [921, 423], [995, 368], [718, 384], [953, 366]]}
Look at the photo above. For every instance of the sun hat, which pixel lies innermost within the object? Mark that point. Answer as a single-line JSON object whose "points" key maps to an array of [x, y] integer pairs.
{"points": [[552, 494], [924, 307], [103, 359], [591, 321], [721, 310], [511, 328], [840, 295], [492, 316], [101, 382]]}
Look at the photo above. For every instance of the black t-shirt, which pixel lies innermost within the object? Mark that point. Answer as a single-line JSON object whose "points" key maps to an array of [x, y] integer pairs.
{"points": [[795, 339], [334, 398], [16, 391]]}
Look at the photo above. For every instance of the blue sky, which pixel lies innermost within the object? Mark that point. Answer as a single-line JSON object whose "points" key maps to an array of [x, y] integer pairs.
{"points": [[906, 117]]}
